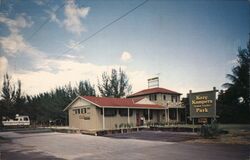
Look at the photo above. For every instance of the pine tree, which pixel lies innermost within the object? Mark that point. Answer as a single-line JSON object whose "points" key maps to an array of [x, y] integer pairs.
{"points": [[116, 85]]}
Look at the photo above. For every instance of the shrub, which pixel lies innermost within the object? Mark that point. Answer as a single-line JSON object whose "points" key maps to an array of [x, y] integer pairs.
{"points": [[121, 125], [131, 125], [208, 131], [149, 123]]}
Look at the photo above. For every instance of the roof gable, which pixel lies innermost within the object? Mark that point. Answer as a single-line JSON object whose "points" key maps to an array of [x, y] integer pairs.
{"points": [[143, 100], [71, 103]]}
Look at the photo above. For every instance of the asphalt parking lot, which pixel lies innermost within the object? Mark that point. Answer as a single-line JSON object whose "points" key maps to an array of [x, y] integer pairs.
{"points": [[140, 145]]}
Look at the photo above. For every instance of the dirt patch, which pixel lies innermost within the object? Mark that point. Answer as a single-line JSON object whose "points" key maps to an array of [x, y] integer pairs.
{"points": [[240, 137], [4, 140], [163, 136]]}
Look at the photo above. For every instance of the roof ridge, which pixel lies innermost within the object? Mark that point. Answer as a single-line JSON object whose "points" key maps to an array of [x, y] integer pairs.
{"points": [[117, 102], [154, 90]]}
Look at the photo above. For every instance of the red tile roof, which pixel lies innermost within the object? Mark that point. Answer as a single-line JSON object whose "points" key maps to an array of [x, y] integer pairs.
{"points": [[153, 90], [118, 102]]}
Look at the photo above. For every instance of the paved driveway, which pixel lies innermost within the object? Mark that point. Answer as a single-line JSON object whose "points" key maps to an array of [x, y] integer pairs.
{"points": [[53, 145]]}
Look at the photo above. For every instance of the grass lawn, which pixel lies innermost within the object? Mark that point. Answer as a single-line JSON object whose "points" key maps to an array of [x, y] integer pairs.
{"points": [[235, 127], [228, 127], [238, 134]]}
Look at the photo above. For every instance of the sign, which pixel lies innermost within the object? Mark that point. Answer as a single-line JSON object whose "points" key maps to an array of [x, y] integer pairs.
{"points": [[202, 104], [153, 82], [85, 117], [202, 120]]}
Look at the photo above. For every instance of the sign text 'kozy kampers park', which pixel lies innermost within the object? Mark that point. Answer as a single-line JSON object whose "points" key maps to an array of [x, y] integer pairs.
{"points": [[202, 104]]}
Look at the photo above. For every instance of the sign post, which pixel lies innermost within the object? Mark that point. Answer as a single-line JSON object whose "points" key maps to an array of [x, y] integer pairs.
{"points": [[193, 123]]}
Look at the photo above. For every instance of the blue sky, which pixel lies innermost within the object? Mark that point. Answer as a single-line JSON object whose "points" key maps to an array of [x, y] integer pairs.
{"points": [[192, 44]]}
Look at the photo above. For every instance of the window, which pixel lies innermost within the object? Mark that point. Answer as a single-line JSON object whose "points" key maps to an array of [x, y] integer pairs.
{"points": [[153, 97], [124, 112], [174, 98], [83, 110], [164, 97], [77, 111], [26, 119], [145, 114], [109, 112]]}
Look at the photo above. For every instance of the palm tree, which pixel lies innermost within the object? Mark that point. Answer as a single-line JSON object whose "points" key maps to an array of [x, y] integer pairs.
{"points": [[238, 90]]}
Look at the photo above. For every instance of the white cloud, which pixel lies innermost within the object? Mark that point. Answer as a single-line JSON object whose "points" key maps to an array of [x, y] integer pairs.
{"points": [[126, 56], [73, 17], [53, 17], [138, 79], [14, 43], [70, 56], [3, 66], [74, 45], [50, 73], [14, 25], [40, 2], [68, 71]]}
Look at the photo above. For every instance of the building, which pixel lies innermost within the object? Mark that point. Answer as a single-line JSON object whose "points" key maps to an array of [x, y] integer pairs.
{"points": [[154, 105], [170, 100]]}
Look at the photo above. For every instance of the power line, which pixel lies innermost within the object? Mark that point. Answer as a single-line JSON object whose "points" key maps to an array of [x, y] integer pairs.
{"points": [[106, 26], [45, 22]]}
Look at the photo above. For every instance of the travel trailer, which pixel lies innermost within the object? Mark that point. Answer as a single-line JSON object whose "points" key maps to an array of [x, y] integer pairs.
{"points": [[18, 121]]}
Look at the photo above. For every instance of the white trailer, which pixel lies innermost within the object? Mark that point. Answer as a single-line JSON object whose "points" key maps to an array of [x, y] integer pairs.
{"points": [[18, 121]]}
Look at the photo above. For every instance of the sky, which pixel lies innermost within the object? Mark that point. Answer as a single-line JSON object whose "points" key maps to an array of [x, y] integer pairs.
{"points": [[190, 45]]}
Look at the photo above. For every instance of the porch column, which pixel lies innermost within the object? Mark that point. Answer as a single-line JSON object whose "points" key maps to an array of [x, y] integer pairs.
{"points": [[168, 115], [148, 115], [103, 119], [128, 117], [177, 115]]}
